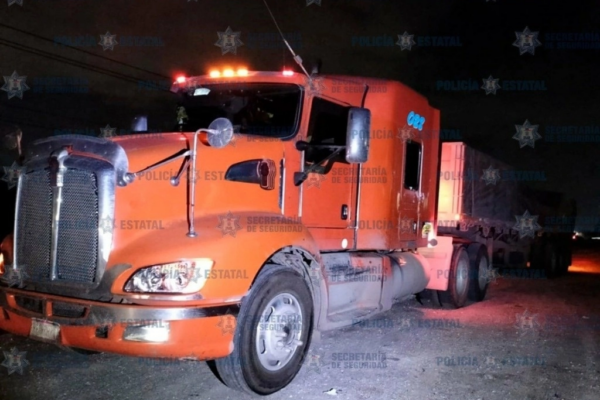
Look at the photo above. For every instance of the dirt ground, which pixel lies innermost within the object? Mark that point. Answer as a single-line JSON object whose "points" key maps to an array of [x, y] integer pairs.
{"points": [[532, 338]]}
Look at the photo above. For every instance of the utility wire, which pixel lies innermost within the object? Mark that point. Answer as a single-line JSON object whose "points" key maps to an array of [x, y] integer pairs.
{"points": [[83, 51], [100, 70]]}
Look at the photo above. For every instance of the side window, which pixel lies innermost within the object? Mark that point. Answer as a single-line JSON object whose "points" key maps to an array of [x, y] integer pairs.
{"points": [[327, 126], [412, 166]]}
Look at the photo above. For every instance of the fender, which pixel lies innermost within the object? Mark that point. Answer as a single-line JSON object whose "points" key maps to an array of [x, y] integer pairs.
{"points": [[239, 243]]}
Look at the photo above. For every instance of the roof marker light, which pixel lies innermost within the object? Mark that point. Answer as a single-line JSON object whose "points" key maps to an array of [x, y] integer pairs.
{"points": [[287, 72], [215, 74], [180, 79], [242, 72], [228, 72]]}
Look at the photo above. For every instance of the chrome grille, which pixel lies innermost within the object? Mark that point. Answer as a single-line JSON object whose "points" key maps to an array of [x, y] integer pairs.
{"points": [[34, 225], [77, 240], [78, 228]]}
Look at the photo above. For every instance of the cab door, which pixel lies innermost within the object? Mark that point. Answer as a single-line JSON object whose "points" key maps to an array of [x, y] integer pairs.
{"points": [[329, 193], [411, 191]]}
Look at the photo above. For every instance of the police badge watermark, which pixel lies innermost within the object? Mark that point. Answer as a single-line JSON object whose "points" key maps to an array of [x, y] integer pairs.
{"points": [[14, 85], [14, 361], [490, 85], [12, 174], [406, 41], [527, 41], [108, 41], [527, 134], [108, 132], [229, 224], [526, 225], [229, 41], [527, 323], [491, 176]]}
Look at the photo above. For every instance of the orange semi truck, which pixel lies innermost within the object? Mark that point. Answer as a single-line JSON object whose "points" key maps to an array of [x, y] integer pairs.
{"points": [[281, 206]]}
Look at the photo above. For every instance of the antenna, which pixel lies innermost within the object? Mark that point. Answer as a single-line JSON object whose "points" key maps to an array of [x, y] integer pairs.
{"points": [[296, 57]]}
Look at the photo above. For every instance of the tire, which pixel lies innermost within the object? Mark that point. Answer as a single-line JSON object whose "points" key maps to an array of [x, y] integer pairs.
{"points": [[253, 367], [551, 261], [480, 271], [458, 282]]}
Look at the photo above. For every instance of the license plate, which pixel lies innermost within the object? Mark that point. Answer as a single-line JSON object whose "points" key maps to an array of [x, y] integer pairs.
{"points": [[46, 331]]}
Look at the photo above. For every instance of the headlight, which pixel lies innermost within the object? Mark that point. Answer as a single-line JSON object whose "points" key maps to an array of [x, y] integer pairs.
{"points": [[185, 276], [5, 253]]}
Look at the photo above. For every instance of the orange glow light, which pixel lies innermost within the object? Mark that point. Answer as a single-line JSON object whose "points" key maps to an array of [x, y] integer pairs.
{"points": [[242, 72], [228, 73], [215, 74]]}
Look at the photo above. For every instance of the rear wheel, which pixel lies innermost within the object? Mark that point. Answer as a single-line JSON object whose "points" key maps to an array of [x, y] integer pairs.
{"points": [[480, 271], [272, 333], [458, 280]]}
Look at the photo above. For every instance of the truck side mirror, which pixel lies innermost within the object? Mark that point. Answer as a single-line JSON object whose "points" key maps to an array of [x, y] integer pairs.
{"points": [[357, 135]]}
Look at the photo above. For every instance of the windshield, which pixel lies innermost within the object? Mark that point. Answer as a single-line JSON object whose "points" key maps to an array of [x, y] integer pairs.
{"points": [[253, 108]]}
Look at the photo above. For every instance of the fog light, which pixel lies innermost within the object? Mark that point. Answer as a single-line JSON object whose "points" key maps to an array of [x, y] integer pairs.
{"points": [[156, 332]]}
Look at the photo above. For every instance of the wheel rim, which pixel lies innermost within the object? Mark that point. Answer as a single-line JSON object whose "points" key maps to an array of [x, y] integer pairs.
{"points": [[462, 274], [484, 273], [279, 332]]}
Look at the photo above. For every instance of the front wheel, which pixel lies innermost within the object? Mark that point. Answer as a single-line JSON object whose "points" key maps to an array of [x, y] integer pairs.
{"points": [[272, 333]]}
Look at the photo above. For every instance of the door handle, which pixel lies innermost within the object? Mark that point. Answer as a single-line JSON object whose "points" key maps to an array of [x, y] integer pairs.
{"points": [[344, 212]]}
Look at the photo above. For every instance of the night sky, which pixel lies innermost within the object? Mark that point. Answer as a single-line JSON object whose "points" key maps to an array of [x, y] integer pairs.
{"points": [[351, 37]]}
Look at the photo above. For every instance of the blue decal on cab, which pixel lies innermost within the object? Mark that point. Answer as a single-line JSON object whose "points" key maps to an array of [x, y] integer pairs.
{"points": [[415, 120]]}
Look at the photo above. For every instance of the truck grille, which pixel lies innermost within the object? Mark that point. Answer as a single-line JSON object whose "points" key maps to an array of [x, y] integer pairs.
{"points": [[78, 227], [34, 225]]}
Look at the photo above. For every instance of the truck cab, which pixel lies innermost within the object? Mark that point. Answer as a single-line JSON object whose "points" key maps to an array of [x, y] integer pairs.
{"points": [[281, 206]]}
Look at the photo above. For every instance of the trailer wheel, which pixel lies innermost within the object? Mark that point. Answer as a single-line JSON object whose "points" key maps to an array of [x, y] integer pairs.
{"points": [[551, 261], [480, 271], [458, 282], [272, 334]]}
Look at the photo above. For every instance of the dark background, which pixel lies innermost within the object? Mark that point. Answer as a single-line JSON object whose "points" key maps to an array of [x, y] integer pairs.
{"points": [[188, 30]]}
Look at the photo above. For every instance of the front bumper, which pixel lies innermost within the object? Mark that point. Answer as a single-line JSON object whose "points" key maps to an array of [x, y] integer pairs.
{"points": [[194, 333]]}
